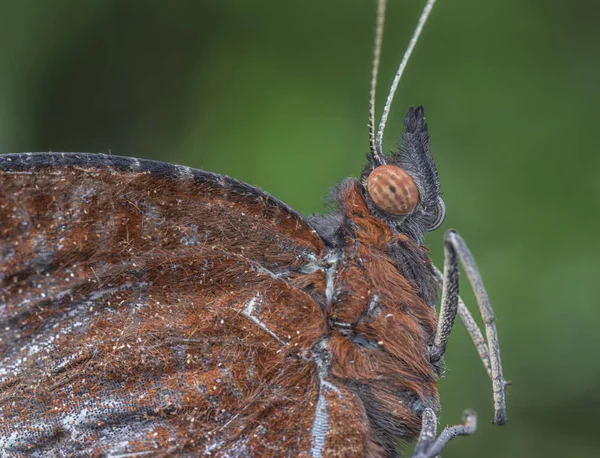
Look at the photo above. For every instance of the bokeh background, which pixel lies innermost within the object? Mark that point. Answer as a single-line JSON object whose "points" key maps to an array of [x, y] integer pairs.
{"points": [[275, 93]]}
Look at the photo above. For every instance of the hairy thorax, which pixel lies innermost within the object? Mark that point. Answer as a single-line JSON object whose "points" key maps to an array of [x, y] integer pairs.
{"points": [[380, 322]]}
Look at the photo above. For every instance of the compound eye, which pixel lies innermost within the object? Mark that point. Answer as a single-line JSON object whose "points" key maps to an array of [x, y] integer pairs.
{"points": [[438, 215], [392, 190]]}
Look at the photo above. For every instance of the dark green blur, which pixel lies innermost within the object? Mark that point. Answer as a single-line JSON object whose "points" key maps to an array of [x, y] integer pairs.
{"points": [[275, 93]]}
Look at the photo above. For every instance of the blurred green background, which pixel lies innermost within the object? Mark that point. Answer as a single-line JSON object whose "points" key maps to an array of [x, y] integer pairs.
{"points": [[275, 93]]}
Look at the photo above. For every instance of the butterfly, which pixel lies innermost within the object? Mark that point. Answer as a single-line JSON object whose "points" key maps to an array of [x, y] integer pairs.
{"points": [[151, 309]]}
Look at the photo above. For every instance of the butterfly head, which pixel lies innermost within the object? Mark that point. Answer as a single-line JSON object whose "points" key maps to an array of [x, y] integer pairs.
{"points": [[403, 189]]}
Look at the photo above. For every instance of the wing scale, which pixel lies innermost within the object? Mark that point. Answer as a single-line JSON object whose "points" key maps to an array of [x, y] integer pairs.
{"points": [[146, 306]]}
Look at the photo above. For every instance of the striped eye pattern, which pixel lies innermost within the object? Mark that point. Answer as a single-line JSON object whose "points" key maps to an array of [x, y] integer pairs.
{"points": [[392, 190]]}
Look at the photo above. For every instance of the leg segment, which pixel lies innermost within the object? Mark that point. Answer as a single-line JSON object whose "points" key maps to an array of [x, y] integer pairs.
{"points": [[430, 447], [471, 326], [449, 305], [455, 247]]}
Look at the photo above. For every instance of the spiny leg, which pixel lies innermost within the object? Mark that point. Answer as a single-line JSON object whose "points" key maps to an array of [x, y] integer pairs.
{"points": [[449, 304], [428, 433], [455, 246], [470, 325], [430, 447]]}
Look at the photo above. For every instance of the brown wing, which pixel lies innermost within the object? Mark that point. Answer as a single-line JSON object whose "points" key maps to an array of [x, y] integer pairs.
{"points": [[147, 306]]}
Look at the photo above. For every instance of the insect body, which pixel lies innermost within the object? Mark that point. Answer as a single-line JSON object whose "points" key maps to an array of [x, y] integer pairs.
{"points": [[149, 309]]}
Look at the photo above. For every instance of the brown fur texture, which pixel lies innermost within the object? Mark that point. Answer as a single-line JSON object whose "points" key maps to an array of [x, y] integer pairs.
{"points": [[190, 316], [395, 377]]}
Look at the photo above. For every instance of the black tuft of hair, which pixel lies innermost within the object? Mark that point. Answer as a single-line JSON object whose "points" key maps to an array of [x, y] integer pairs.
{"points": [[415, 156]]}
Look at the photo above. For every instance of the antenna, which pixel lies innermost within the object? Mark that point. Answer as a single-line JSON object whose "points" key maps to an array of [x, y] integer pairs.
{"points": [[381, 4], [411, 45]]}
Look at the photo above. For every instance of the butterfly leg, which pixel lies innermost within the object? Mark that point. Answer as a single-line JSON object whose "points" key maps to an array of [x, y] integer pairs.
{"points": [[428, 446], [489, 348]]}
